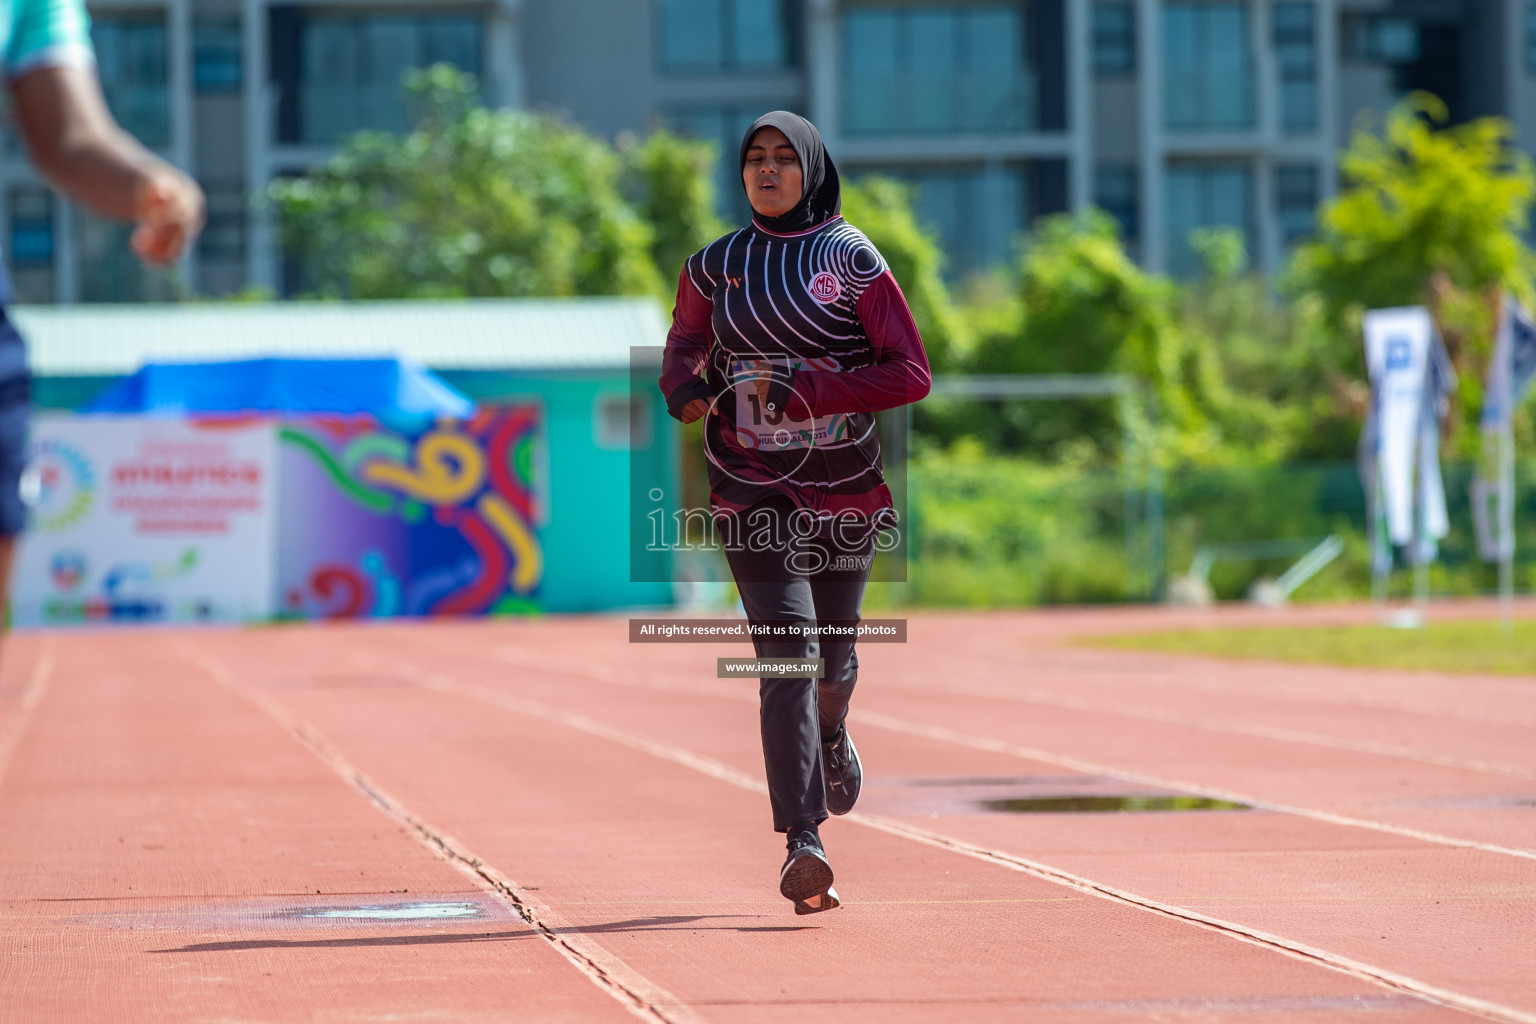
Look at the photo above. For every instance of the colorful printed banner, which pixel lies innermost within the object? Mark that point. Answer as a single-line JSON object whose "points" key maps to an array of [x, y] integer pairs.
{"points": [[379, 522], [137, 519]]}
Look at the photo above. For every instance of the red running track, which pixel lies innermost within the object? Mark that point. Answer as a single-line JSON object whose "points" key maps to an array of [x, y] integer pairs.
{"points": [[537, 821]]}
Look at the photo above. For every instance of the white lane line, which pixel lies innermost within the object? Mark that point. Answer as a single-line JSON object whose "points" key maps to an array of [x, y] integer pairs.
{"points": [[16, 722], [636, 993], [894, 724], [940, 733], [515, 655], [1045, 698], [724, 773], [1164, 678]]}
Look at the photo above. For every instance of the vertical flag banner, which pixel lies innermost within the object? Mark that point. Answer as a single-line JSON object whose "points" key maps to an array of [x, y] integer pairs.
{"points": [[139, 519], [1510, 373], [1410, 381], [377, 521]]}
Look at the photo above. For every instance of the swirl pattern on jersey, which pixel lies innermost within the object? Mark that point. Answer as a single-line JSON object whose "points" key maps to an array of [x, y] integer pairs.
{"points": [[790, 298]]}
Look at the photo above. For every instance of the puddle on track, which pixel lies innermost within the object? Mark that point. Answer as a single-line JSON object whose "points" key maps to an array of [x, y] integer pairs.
{"points": [[392, 912], [285, 913], [1030, 794]]}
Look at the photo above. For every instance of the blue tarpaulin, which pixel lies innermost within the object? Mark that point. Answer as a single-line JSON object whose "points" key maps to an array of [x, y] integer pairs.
{"points": [[388, 388]]}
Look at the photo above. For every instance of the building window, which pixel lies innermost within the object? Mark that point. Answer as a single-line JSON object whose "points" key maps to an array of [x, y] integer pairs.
{"points": [[131, 60], [724, 35], [936, 70], [109, 272], [223, 236], [351, 67], [621, 422], [31, 244], [1202, 196], [975, 213], [1296, 56], [1208, 67], [216, 52], [723, 126], [31, 227], [1295, 200], [1114, 38], [1381, 39], [1115, 191], [1530, 38]]}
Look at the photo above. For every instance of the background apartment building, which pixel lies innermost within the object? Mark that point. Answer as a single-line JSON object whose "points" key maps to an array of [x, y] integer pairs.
{"points": [[1170, 114]]}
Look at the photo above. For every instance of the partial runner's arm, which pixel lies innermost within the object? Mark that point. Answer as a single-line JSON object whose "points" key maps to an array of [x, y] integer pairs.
{"points": [[80, 150], [687, 353], [899, 376]]}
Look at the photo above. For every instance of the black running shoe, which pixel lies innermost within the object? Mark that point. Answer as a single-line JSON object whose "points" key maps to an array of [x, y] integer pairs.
{"points": [[840, 767], [807, 877]]}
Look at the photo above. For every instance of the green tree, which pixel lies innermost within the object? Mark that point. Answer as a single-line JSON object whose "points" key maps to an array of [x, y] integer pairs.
{"points": [[1085, 308], [1259, 362], [882, 209], [672, 189], [472, 202], [1429, 214]]}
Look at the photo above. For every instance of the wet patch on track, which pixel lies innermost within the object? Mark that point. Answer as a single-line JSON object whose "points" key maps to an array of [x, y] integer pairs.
{"points": [[391, 912], [1030, 794], [289, 913]]}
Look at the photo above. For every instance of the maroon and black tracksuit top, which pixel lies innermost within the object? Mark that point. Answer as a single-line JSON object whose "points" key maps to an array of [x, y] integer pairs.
{"points": [[819, 314]]}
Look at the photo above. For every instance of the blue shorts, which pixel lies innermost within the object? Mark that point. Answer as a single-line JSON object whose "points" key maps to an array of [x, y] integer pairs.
{"points": [[15, 410]]}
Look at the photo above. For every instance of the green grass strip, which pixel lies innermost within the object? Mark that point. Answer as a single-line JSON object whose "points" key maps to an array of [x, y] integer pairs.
{"points": [[1477, 647]]}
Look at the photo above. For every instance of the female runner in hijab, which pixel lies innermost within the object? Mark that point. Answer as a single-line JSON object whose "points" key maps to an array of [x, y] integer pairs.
{"points": [[788, 336]]}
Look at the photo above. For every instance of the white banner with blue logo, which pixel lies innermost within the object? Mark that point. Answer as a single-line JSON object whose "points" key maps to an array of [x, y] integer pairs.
{"points": [[1410, 381], [138, 519]]}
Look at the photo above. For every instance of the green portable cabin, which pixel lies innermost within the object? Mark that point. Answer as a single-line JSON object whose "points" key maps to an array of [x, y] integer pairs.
{"points": [[572, 356]]}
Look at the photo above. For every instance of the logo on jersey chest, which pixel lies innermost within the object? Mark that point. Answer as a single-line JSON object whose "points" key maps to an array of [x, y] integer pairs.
{"points": [[824, 288]]}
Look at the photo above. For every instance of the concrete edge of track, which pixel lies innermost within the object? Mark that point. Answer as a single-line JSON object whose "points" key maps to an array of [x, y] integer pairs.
{"points": [[1286, 947], [631, 989]]}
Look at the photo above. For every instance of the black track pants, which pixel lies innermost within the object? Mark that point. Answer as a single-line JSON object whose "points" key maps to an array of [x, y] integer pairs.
{"points": [[825, 585]]}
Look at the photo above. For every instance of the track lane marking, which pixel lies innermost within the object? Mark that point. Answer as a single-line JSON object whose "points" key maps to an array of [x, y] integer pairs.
{"points": [[941, 734], [628, 987], [21, 715], [1045, 698], [678, 755], [935, 732], [1168, 679]]}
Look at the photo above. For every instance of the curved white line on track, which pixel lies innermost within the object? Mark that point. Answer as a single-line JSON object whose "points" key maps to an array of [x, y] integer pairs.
{"points": [[725, 773], [16, 722], [631, 989]]}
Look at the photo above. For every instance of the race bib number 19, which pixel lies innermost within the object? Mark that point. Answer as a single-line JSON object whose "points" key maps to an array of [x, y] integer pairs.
{"points": [[772, 430]]}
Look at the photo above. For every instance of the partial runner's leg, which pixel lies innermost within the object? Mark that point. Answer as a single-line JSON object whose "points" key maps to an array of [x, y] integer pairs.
{"points": [[7, 557], [774, 594], [13, 460], [837, 591]]}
